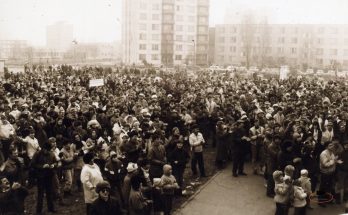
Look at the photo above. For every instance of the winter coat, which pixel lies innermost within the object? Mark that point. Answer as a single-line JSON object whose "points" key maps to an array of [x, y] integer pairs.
{"points": [[101, 207], [90, 177], [282, 193], [327, 162], [299, 197]]}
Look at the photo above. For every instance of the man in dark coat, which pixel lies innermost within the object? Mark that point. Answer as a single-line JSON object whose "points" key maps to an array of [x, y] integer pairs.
{"points": [[178, 159], [240, 140], [105, 204], [44, 162]]}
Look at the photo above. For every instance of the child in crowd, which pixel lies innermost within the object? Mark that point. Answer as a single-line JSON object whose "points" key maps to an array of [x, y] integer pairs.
{"points": [[306, 185], [299, 198], [169, 184]]}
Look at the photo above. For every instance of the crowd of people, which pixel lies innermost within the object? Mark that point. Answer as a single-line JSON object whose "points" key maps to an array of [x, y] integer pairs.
{"points": [[126, 144]]}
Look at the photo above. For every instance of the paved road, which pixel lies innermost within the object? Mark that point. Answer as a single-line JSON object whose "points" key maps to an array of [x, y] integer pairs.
{"points": [[245, 195]]}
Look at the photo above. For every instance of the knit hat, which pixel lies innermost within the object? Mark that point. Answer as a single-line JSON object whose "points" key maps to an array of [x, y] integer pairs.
{"points": [[102, 185]]}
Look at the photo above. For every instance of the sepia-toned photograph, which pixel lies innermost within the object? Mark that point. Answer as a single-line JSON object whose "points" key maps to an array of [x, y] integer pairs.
{"points": [[173, 107]]}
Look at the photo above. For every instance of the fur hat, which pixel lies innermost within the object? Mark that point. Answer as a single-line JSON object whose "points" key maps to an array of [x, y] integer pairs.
{"points": [[102, 185]]}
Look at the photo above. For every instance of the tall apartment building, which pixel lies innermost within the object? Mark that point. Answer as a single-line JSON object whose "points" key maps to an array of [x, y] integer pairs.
{"points": [[302, 46], [59, 36], [167, 32]]}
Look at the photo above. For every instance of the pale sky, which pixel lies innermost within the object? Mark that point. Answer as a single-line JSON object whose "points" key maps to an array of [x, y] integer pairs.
{"points": [[99, 20]]}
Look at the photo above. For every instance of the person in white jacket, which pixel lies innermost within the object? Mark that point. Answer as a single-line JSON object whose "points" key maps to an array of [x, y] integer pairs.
{"points": [[90, 177], [300, 196]]}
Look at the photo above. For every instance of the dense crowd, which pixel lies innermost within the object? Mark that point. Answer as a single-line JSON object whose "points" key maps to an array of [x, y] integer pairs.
{"points": [[126, 144]]}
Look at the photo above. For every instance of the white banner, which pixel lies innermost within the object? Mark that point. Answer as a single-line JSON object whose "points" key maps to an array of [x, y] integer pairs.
{"points": [[96, 82]]}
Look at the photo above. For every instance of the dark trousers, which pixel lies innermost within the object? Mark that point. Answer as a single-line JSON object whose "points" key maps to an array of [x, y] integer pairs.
{"points": [[44, 185], [167, 201], [326, 184], [197, 158], [270, 185], [238, 162], [300, 211], [282, 209], [88, 209], [178, 173]]}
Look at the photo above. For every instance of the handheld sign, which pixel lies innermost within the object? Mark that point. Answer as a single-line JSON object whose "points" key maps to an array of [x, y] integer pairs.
{"points": [[96, 82]]}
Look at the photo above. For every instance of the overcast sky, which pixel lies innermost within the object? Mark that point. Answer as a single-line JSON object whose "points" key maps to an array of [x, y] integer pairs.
{"points": [[99, 20]]}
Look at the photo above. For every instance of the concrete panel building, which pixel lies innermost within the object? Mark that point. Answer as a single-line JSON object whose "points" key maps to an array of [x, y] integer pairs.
{"points": [[301, 46], [165, 32], [59, 36]]}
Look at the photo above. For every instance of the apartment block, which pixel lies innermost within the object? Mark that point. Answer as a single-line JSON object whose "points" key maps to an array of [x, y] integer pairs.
{"points": [[301, 46], [165, 32]]}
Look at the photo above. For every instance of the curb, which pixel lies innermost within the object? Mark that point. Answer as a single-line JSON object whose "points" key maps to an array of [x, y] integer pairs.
{"points": [[177, 211]]}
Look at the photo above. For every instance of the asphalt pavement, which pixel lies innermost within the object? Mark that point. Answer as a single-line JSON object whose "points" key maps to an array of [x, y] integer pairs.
{"points": [[224, 194]]}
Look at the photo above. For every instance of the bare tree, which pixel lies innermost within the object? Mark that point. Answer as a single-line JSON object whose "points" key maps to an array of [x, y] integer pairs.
{"points": [[248, 32]]}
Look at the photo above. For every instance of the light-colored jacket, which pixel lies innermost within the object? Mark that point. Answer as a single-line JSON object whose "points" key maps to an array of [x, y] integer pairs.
{"points": [[282, 193], [196, 142], [90, 177], [299, 197], [327, 162], [306, 184]]}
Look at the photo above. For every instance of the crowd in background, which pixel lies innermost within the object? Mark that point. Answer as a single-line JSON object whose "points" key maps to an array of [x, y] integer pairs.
{"points": [[127, 144]]}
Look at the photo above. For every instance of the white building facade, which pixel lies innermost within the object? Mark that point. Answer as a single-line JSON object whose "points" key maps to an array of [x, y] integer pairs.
{"points": [[165, 32]]}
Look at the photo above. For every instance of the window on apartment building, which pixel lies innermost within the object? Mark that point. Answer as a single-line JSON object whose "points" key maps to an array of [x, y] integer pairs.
{"points": [[142, 57], [178, 8], [221, 39], [333, 51], [168, 7], [202, 29], [179, 18], [202, 19], [233, 49], [142, 27], [155, 27], [269, 50], [178, 57], [142, 46], [233, 39], [167, 27], [295, 30], [221, 58], [202, 9], [191, 19], [221, 48], [178, 37], [191, 28], [168, 18], [293, 50], [319, 51], [178, 47], [294, 40], [202, 38], [179, 28], [201, 47], [154, 57], [155, 47], [155, 7], [142, 36], [155, 36], [155, 16], [234, 30], [191, 9], [143, 16]]}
